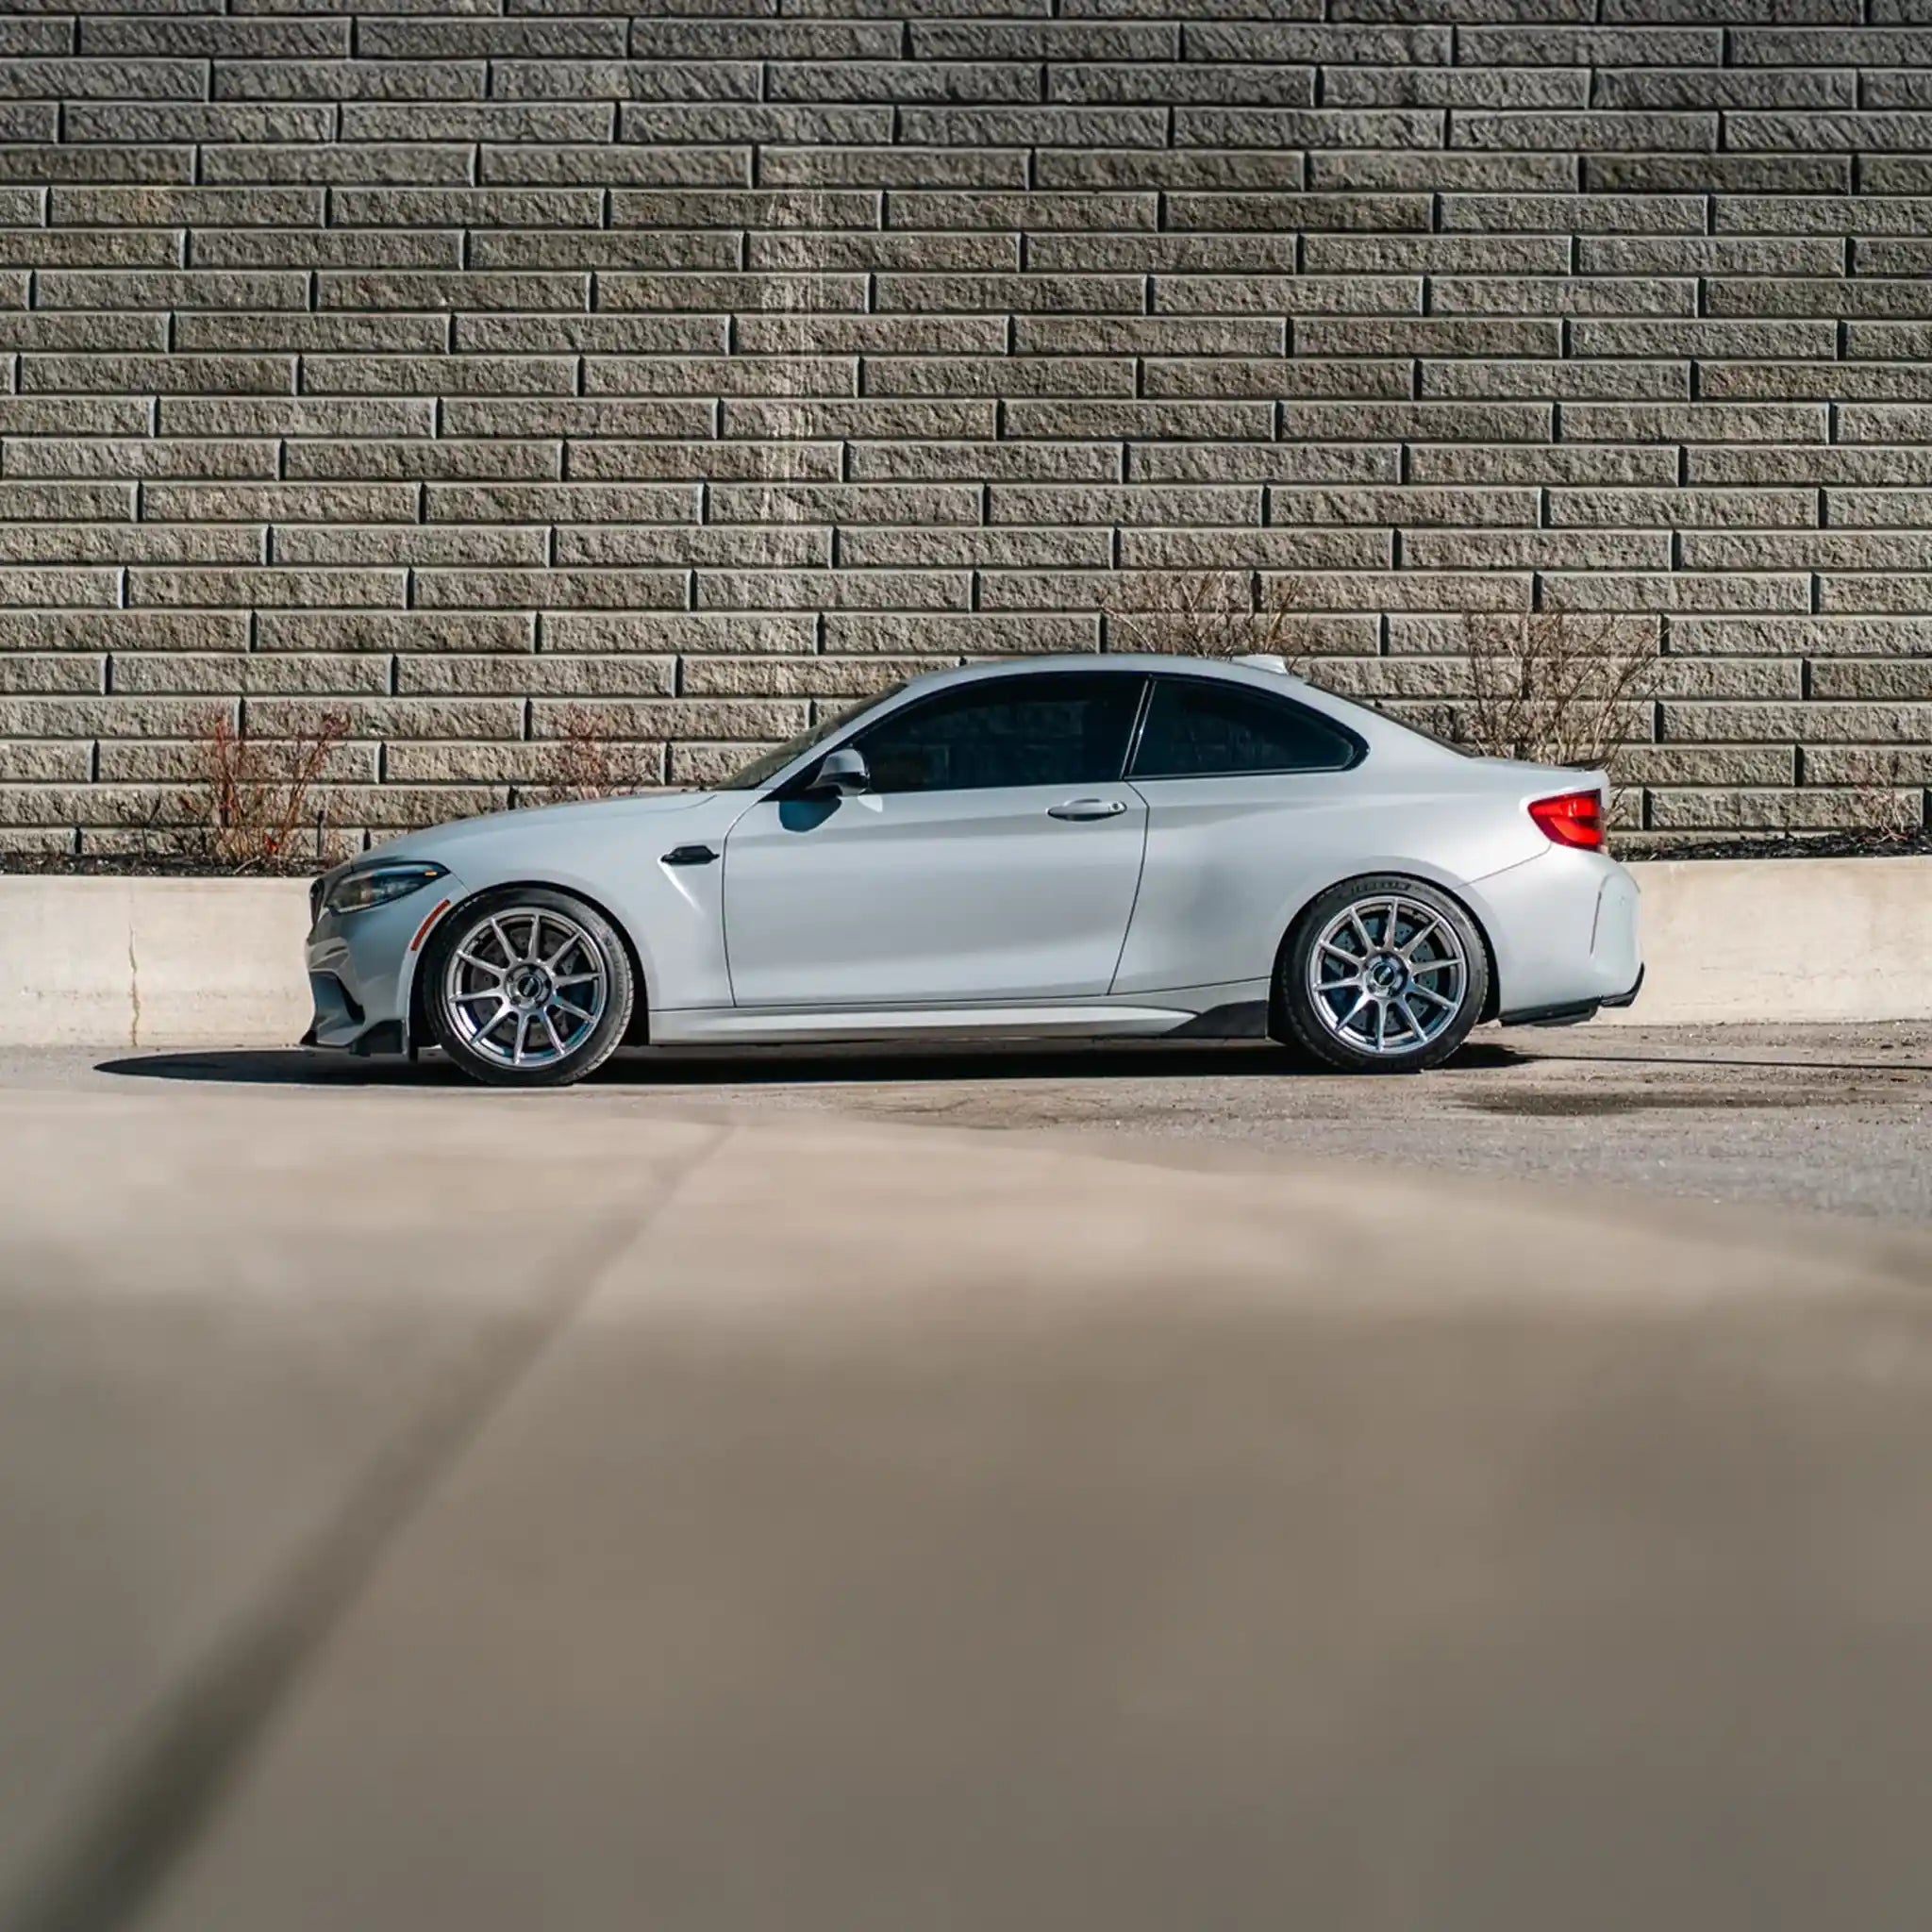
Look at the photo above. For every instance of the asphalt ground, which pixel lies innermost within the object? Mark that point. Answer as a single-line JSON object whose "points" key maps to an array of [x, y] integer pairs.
{"points": [[1837, 1118], [730, 1496]]}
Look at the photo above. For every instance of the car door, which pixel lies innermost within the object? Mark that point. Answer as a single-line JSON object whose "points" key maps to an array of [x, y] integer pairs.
{"points": [[1251, 797], [993, 857]]}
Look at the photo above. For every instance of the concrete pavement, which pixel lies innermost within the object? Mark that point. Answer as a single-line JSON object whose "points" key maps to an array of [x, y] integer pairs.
{"points": [[1832, 1117], [623, 1509]]}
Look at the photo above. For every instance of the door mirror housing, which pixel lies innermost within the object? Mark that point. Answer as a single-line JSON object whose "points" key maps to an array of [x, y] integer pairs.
{"points": [[841, 773]]}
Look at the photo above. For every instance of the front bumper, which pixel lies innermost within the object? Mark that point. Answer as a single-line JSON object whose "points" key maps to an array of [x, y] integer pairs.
{"points": [[361, 969]]}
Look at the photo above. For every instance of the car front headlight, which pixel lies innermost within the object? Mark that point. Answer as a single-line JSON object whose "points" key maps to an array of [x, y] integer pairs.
{"points": [[376, 885]]}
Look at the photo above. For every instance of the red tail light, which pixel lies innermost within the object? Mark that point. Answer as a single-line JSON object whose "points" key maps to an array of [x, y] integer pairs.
{"points": [[1572, 818]]}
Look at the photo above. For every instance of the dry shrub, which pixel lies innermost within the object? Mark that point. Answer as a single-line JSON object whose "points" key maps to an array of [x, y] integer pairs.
{"points": [[591, 758], [1552, 687], [253, 805], [1206, 613], [1880, 802]]}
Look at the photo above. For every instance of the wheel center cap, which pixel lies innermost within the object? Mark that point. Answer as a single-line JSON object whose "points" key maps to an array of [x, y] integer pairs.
{"points": [[1387, 975], [529, 986]]}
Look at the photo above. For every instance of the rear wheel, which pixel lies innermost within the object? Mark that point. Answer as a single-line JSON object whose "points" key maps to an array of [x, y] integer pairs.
{"points": [[530, 988], [1382, 975]]}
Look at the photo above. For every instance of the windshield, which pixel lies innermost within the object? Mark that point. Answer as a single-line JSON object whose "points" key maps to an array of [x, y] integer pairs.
{"points": [[767, 765]]}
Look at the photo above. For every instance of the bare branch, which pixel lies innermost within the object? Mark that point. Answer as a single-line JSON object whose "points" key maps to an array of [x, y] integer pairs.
{"points": [[250, 801], [591, 758], [1553, 687], [1209, 613], [1875, 804]]}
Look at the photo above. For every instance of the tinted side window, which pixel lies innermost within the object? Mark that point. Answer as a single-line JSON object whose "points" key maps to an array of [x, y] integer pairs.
{"points": [[1039, 730], [1200, 730]]}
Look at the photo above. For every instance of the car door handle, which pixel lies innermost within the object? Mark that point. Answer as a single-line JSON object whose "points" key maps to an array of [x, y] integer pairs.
{"points": [[690, 855], [1087, 808]]}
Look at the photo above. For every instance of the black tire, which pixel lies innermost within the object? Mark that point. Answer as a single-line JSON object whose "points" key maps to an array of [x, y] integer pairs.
{"points": [[1313, 1028], [485, 1052]]}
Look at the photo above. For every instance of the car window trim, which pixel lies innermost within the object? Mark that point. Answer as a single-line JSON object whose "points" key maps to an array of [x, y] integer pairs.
{"points": [[1140, 711], [1357, 745], [1013, 679]]}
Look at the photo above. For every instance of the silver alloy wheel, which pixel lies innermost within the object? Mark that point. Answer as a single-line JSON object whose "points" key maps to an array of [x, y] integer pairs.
{"points": [[1387, 974], [525, 987]]}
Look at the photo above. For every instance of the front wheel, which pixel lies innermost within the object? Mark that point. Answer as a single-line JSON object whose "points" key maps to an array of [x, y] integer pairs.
{"points": [[531, 988], [1382, 975]]}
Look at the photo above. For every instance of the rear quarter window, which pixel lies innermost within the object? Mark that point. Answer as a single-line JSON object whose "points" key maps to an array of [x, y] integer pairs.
{"points": [[1195, 729]]}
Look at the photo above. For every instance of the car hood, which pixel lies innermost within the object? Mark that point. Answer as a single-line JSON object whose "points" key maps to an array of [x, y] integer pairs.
{"points": [[448, 844]]}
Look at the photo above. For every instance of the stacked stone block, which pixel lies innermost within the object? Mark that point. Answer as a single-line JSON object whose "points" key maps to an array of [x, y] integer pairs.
{"points": [[702, 365]]}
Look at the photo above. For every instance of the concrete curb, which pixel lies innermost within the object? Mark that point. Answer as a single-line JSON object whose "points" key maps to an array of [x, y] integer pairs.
{"points": [[197, 962], [1797, 940], [153, 963]]}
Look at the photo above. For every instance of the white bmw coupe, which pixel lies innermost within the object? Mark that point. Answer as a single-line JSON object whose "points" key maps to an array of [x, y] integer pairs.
{"points": [[1093, 846]]}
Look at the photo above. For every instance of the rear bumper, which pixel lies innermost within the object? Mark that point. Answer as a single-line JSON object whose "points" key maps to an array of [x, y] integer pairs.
{"points": [[1575, 1012], [1563, 926], [1627, 999]]}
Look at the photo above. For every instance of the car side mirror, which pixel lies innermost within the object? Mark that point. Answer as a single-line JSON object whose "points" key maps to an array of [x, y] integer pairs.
{"points": [[842, 773]]}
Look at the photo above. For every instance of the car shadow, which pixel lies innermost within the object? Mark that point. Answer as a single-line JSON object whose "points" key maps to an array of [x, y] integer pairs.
{"points": [[696, 1067]]}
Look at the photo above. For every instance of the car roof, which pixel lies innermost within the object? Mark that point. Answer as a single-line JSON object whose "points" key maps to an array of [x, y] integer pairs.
{"points": [[1087, 660], [1266, 674]]}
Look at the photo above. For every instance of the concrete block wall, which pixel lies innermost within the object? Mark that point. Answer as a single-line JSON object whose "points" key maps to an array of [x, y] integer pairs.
{"points": [[709, 362]]}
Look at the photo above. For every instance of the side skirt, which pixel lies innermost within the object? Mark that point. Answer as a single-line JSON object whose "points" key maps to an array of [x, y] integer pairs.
{"points": [[1237, 1020], [1093, 1021]]}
